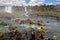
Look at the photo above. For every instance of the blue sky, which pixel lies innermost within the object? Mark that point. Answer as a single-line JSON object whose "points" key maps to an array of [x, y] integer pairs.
{"points": [[54, 2], [28, 2]]}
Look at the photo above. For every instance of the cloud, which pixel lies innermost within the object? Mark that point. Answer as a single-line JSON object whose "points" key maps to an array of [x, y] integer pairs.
{"points": [[49, 3], [22, 2], [58, 1], [12, 2], [35, 2]]}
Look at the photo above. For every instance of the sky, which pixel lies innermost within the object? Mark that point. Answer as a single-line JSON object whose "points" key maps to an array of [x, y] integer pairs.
{"points": [[28, 2]]}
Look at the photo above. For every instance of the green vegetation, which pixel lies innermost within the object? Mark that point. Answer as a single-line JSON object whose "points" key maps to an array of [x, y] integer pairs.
{"points": [[23, 21], [8, 17], [3, 23], [44, 7], [46, 10], [17, 31], [40, 22], [18, 8], [12, 27], [1, 34], [30, 21]]}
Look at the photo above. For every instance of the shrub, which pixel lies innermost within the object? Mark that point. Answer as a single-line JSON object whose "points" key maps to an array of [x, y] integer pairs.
{"points": [[40, 22], [3, 23]]}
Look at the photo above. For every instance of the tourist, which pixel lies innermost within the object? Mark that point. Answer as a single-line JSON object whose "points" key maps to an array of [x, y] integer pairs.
{"points": [[26, 36], [17, 38], [55, 38], [42, 32], [38, 35], [41, 37], [23, 37], [11, 38], [32, 35]]}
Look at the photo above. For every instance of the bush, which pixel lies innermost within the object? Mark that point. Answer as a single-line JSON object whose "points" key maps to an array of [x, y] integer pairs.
{"points": [[22, 22], [3, 23], [1, 34], [30, 21], [8, 17], [40, 22], [12, 27], [17, 31]]}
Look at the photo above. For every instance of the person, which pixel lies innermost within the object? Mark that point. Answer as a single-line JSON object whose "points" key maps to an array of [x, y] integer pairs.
{"points": [[41, 37], [42, 32], [26, 36], [17, 37], [23, 37], [11, 38], [32, 35], [55, 38]]}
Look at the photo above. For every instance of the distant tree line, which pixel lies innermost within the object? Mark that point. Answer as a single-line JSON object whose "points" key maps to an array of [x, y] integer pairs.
{"points": [[43, 7]]}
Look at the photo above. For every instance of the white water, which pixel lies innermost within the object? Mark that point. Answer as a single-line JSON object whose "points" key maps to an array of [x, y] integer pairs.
{"points": [[26, 12], [8, 9]]}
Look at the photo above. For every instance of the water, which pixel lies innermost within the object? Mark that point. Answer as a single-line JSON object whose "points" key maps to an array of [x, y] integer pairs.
{"points": [[52, 27]]}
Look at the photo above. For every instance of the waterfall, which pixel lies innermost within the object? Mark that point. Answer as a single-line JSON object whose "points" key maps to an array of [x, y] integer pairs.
{"points": [[8, 9], [26, 12]]}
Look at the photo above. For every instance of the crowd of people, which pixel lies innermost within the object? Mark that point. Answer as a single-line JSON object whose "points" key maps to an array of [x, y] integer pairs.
{"points": [[32, 35]]}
